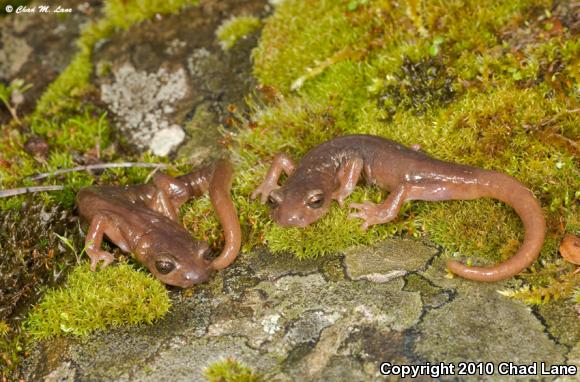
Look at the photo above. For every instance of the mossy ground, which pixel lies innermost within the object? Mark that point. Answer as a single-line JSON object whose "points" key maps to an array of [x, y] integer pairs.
{"points": [[77, 132], [490, 84], [92, 301], [67, 117]]}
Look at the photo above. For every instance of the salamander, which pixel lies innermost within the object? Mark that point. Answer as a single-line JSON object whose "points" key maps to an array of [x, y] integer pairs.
{"points": [[332, 170], [144, 220]]}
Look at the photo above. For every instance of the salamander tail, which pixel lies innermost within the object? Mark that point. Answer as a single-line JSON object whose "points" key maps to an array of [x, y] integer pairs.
{"points": [[513, 193]]}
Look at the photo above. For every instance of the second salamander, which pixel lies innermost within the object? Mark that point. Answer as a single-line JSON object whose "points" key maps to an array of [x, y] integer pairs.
{"points": [[333, 169]]}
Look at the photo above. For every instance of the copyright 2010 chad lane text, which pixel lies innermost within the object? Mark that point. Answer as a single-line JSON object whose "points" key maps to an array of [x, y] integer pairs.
{"points": [[436, 370]]}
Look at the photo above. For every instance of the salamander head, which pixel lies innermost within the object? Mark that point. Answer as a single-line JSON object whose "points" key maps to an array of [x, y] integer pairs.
{"points": [[292, 206], [177, 261]]}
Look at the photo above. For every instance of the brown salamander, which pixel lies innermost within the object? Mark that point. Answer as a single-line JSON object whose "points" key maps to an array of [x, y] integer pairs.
{"points": [[332, 170], [144, 220]]}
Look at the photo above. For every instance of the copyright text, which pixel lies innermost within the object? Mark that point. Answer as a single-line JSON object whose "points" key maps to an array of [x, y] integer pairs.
{"points": [[437, 370]]}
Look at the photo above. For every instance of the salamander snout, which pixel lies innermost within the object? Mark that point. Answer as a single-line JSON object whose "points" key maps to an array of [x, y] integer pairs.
{"points": [[193, 277], [299, 209], [292, 219], [187, 277]]}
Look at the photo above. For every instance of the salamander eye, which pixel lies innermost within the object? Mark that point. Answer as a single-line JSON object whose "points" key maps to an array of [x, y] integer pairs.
{"points": [[164, 266], [315, 200]]}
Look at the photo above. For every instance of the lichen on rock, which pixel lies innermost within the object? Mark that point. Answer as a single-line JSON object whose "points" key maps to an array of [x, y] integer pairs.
{"points": [[143, 104], [386, 260]]}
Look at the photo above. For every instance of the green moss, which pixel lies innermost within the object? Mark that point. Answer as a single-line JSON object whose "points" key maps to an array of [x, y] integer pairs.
{"points": [[92, 301], [230, 370], [553, 282], [70, 85], [123, 13], [236, 28], [11, 353], [81, 132], [301, 34]]}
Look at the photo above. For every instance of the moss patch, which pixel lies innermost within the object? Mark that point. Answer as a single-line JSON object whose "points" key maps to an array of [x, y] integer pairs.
{"points": [[236, 28], [230, 370], [92, 301]]}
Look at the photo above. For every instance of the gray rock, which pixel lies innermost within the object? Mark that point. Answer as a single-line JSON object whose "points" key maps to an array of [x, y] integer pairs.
{"points": [[165, 140], [482, 325], [297, 324], [573, 359], [268, 324], [386, 260], [310, 313], [273, 266], [155, 76], [186, 361], [63, 373], [143, 103]]}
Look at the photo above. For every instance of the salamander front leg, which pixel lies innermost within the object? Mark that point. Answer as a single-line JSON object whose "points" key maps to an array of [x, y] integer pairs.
{"points": [[348, 176], [281, 162], [102, 225]]}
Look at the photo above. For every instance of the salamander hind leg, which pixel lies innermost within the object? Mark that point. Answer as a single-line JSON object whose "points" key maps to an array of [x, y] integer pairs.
{"points": [[171, 194]]}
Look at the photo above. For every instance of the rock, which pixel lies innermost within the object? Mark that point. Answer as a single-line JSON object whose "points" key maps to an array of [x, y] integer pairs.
{"points": [[318, 316], [480, 324], [165, 140], [573, 359], [292, 323], [64, 373], [562, 321], [143, 103], [274, 266], [154, 77], [269, 323], [109, 356], [201, 135], [187, 361], [386, 260]]}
